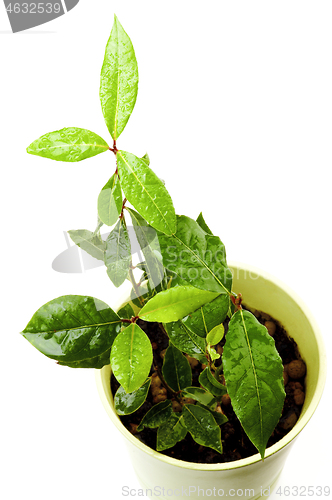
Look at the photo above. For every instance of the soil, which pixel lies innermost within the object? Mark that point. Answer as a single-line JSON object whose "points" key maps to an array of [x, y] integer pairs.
{"points": [[236, 444]]}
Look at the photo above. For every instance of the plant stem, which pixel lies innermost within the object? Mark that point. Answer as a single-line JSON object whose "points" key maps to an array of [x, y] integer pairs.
{"points": [[114, 149], [237, 301], [217, 372], [135, 285], [130, 273], [121, 216]]}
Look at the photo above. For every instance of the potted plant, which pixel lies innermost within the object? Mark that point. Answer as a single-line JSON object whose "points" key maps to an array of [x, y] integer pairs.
{"points": [[217, 353]]}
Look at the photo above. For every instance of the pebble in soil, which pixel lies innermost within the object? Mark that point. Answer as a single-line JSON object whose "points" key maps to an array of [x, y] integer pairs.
{"points": [[236, 444]]}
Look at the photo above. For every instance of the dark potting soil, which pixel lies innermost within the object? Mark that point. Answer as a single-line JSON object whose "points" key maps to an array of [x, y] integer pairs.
{"points": [[236, 444]]}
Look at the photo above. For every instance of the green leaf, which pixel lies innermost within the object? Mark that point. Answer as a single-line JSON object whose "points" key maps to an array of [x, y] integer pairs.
{"points": [[157, 415], [186, 341], [200, 220], [97, 362], [89, 242], [171, 432], [146, 158], [146, 192], [148, 241], [126, 311], [131, 357], [209, 382], [118, 254], [208, 316], [73, 328], [68, 144], [118, 80], [175, 303], [125, 403], [197, 257], [200, 395], [110, 201], [220, 418], [253, 373], [202, 427], [176, 369], [213, 353], [215, 335]]}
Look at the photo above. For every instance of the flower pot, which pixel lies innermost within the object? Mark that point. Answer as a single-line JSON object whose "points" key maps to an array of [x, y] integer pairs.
{"points": [[156, 471]]}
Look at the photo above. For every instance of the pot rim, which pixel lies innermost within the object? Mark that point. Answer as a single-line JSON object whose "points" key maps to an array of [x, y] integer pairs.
{"points": [[286, 440]]}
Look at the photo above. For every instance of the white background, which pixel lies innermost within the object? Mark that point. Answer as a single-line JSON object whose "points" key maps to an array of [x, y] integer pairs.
{"points": [[234, 109]]}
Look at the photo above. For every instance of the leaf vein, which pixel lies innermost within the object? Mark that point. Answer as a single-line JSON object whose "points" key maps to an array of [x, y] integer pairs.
{"points": [[270, 387], [118, 88], [88, 342], [80, 327], [255, 376], [86, 313]]}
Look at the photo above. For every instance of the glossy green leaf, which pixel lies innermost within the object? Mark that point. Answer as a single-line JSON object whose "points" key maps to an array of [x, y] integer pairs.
{"points": [[125, 403], [199, 394], [97, 362], [68, 144], [209, 382], [126, 311], [200, 220], [202, 426], [176, 369], [186, 341], [146, 192], [118, 254], [73, 328], [131, 357], [157, 415], [253, 373], [89, 242], [197, 257], [208, 316], [110, 201], [148, 241], [213, 353], [175, 303], [220, 418], [171, 432], [215, 335], [118, 80]]}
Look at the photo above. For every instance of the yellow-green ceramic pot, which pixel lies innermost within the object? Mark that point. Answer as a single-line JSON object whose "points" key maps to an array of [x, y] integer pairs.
{"points": [[156, 471]]}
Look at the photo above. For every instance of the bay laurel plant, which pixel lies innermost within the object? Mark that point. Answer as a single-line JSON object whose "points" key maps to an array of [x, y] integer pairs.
{"points": [[185, 285]]}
